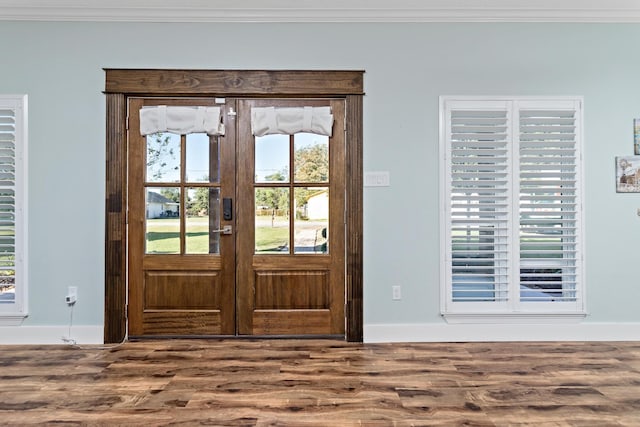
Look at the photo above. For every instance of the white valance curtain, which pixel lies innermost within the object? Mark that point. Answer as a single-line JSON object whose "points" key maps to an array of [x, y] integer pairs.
{"points": [[287, 121], [180, 120]]}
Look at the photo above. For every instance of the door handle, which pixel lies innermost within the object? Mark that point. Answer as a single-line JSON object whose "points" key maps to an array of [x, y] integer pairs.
{"points": [[227, 229]]}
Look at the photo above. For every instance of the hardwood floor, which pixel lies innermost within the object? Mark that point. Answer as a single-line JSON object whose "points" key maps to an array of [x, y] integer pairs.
{"points": [[322, 382]]}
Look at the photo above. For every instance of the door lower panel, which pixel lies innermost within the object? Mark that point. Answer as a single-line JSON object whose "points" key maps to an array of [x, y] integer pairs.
{"points": [[272, 290], [182, 290], [291, 322], [177, 322]]}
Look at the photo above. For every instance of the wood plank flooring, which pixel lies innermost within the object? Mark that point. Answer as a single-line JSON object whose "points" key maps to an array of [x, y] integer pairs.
{"points": [[321, 383]]}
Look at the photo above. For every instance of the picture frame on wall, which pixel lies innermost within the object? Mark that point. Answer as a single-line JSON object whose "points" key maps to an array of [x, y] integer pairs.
{"points": [[628, 174]]}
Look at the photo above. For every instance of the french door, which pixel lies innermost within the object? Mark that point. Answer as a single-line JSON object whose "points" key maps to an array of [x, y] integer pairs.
{"points": [[290, 275], [233, 233]]}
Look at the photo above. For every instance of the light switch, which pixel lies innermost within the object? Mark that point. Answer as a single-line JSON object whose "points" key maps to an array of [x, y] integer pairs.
{"points": [[376, 179]]}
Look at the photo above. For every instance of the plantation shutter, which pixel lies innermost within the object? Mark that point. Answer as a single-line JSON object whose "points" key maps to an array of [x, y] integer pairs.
{"points": [[10, 128], [549, 202], [512, 201], [479, 147]]}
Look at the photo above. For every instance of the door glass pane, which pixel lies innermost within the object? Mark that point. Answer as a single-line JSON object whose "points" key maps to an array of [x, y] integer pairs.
{"points": [[203, 161], [203, 216], [272, 158], [162, 225], [163, 157], [272, 220], [311, 158], [311, 226]]}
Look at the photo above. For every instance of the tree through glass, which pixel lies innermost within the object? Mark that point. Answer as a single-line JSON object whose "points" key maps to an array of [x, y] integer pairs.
{"points": [[292, 194], [182, 194]]}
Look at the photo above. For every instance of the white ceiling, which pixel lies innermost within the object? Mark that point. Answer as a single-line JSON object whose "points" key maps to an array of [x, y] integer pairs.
{"points": [[323, 10]]}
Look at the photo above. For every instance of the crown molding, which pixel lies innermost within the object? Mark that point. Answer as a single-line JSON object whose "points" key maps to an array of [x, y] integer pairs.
{"points": [[608, 11]]}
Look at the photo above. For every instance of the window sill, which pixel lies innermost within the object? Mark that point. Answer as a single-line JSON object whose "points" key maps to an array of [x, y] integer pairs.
{"points": [[514, 318], [12, 319]]}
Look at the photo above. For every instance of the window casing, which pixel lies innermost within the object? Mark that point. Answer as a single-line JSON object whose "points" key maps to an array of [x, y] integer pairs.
{"points": [[511, 197], [13, 212]]}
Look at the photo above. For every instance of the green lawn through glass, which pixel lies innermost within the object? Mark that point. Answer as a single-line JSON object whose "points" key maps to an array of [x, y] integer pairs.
{"points": [[163, 238]]}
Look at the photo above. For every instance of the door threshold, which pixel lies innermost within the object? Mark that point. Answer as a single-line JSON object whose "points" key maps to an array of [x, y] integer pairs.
{"points": [[236, 337]]}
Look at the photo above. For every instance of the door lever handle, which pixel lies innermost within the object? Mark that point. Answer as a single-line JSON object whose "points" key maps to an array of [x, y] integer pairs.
{"points": [[227, 229]]}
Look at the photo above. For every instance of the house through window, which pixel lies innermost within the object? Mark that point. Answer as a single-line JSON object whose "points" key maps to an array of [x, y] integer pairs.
{"points": [[512, 207]]}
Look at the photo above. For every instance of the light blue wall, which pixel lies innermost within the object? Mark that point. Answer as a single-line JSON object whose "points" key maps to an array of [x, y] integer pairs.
{"points": [[408, 66]]}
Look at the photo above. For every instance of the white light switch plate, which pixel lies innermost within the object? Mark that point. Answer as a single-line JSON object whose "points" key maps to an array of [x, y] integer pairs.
{"points": [[376, 179]]}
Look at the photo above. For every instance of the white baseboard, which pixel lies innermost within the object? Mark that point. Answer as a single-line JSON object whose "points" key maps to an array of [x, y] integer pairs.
{"points": [[445, 332], [92, 334]]}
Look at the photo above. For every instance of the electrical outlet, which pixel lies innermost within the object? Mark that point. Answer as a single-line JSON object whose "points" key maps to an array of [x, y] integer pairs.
{"points": [[72, 295], [396, 294]]}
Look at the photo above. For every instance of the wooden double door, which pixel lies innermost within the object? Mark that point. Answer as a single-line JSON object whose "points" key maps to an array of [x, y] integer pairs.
{"points": [[236, 234]]}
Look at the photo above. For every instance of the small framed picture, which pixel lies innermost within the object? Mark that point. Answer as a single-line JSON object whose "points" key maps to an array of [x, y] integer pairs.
{"points": [[636, 137], [628, 174]]}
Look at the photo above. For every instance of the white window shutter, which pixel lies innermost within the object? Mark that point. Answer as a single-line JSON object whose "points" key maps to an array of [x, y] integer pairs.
{"points": [[549, 205], [479, 188], [512, 197], [12, 208], [7, 198]]}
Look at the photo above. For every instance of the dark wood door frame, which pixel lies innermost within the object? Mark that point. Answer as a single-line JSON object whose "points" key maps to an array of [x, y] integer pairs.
{"points": [[120, 84]]}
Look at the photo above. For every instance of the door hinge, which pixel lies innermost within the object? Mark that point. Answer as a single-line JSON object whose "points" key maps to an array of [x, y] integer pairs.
{"points": [[127, 123]]}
